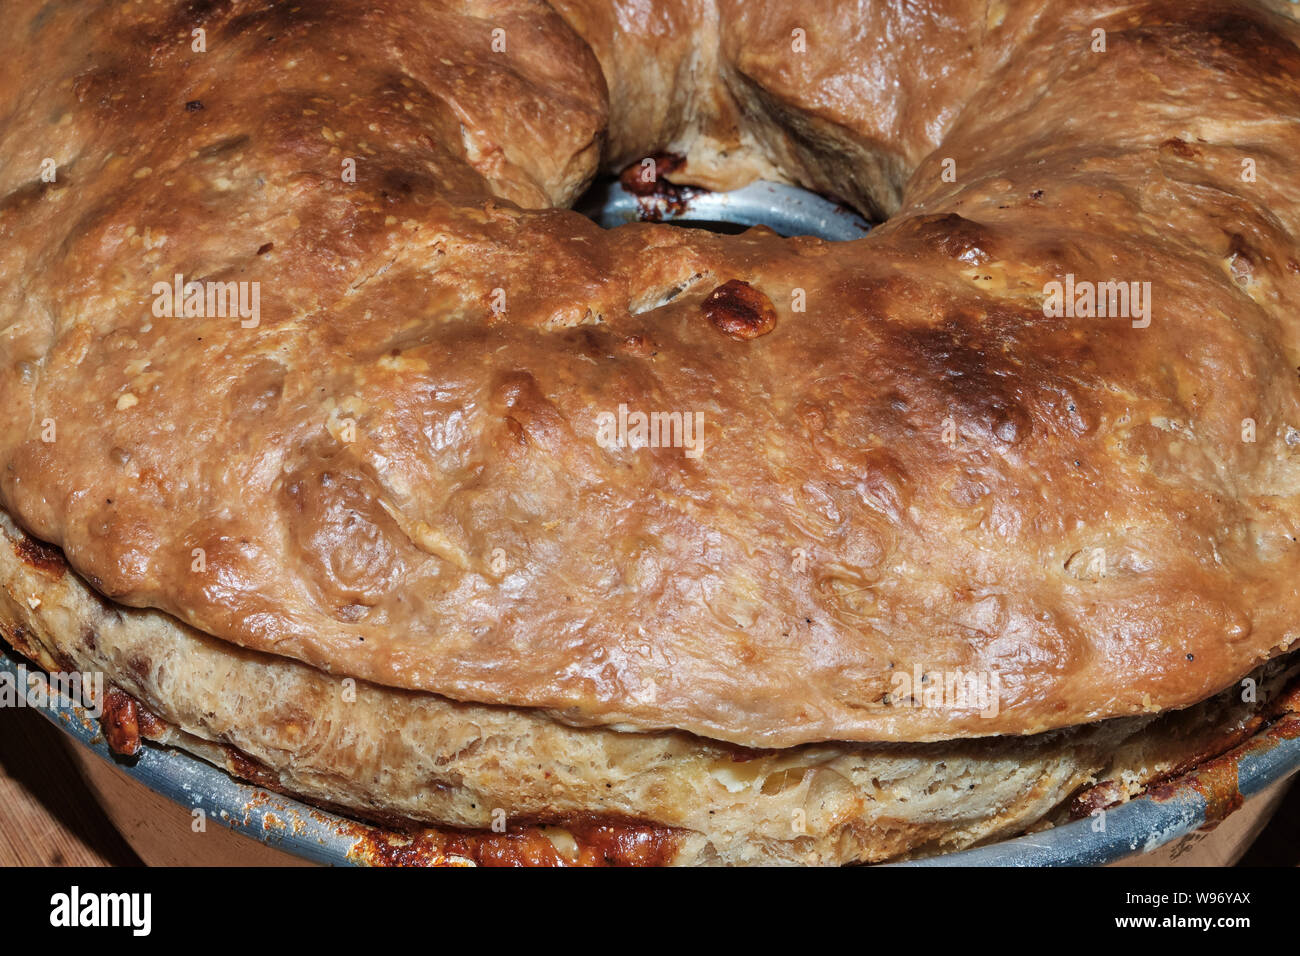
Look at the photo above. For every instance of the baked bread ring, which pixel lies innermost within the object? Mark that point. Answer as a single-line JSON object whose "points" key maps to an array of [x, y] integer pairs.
{"points": [[303, 350]]}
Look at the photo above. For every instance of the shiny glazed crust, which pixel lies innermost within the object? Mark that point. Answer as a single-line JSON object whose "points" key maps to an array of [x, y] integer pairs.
{"points": [[393, 472]]}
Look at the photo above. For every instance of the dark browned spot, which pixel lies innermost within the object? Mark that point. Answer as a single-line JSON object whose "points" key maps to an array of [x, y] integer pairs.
{"points": [[588, 341], [952, 236], [40, 555], [645, 177], [596, 842], [121, 722], [275, 20], [516, 430], [25, 195], [1103, 796], [966, 365], [89, 639], [739, 310], [151, 727], [1185, 150], [638, 345], [1241, 261], [1216, 782], [398, 184], [202, 9], [17, 636], [97, 86], [1236, 42], [252, 771], [738, 754], [141, 666]]}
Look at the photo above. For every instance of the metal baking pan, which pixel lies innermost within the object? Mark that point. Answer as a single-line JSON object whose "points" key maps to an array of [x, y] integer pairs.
{"points": [[788, 210]]}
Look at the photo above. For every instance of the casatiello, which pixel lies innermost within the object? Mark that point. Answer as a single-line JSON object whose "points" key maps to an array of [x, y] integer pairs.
{"points": [[980, 520]]}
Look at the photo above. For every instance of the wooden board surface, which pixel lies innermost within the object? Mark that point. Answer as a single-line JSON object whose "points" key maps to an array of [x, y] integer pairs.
{"points": [[48, 816]]}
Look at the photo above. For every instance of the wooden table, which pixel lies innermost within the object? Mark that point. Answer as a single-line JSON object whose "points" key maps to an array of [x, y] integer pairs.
{"points": [[48, 816]]}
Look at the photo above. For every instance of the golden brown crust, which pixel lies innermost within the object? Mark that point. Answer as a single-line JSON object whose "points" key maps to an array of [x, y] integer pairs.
{"points": [[396, 474]]}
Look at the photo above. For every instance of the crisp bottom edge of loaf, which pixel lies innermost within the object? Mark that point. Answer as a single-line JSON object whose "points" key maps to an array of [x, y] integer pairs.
{"points": [[412, 760]]}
